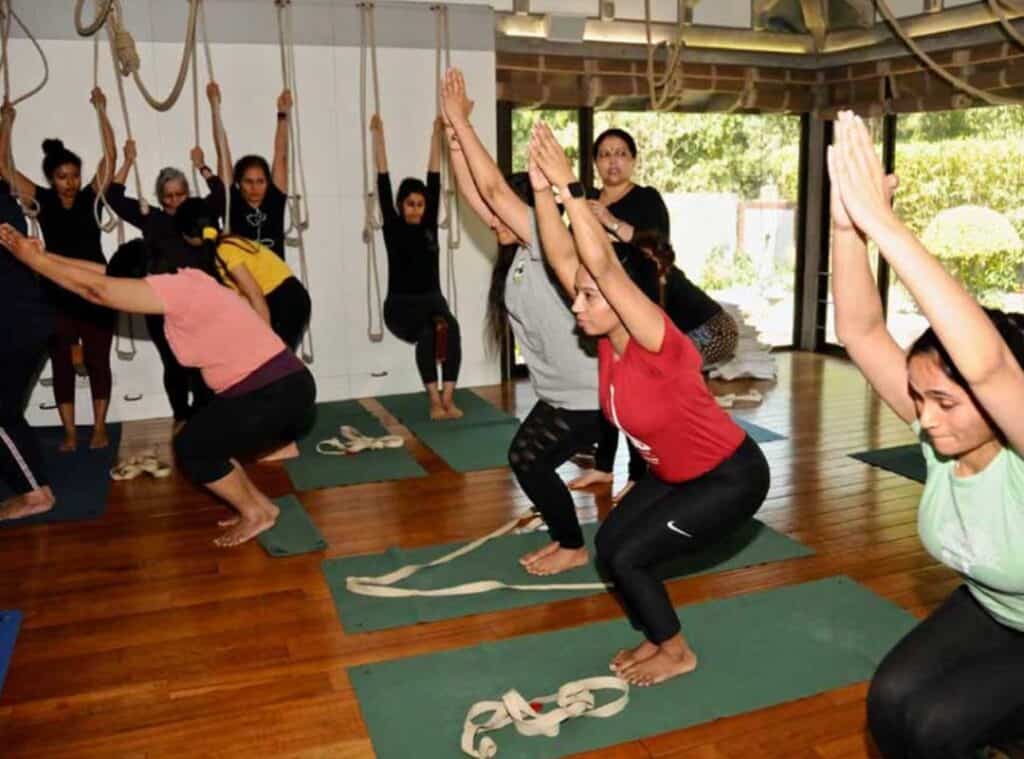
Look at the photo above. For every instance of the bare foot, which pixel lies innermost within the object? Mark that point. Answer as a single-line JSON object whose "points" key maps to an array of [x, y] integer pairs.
{"points": [[437, 412], [452, 411], [69, 443], [290, 451], [229, 521], [528, 558], [37, 502], [248, 527], [660, 667], [100, 438], [622, 493], [593, 477], [560, 560], [627, 656]]}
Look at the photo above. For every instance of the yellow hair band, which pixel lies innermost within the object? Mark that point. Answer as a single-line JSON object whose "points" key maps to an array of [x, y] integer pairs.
{"points": [[210, 233]]}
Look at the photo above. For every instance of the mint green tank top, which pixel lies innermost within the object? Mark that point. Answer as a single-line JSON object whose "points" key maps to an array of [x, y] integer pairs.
{"points": [[975, 525]]}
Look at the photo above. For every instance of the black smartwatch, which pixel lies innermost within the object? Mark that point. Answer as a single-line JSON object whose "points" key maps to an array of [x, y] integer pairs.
{"points": [[576, 190]]}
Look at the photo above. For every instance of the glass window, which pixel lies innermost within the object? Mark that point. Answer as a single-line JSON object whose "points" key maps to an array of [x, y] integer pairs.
{"points": [[730, 183], [961, 174]]}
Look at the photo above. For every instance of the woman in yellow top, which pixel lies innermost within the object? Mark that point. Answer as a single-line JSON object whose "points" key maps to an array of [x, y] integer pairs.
{"points": [[257, 273]]}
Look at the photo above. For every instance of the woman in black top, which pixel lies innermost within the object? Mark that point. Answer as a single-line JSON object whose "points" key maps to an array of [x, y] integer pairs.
{"points": [[696, 313], [415, 310], [22, 304], [67, 219], [625, 209], [157, 226], [259, 191]]}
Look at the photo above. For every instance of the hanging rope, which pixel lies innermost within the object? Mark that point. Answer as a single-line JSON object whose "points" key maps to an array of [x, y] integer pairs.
{"points": [[219, 135], [450, 211], [661, 89], [29, 205], [951, 79], [298, 202], [371, 215], [997, 10], [127, 53]]}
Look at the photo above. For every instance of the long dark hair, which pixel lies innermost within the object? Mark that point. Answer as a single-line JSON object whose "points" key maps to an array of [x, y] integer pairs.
{"points": [[196, 220], [1010, 327], [497, 313]]}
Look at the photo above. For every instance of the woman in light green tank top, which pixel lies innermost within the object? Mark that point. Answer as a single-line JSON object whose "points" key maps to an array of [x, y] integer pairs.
{"points": [[955, 684]]}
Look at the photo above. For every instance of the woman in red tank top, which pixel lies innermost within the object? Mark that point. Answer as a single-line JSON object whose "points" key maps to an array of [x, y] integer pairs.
{"points": [[706, 478]]}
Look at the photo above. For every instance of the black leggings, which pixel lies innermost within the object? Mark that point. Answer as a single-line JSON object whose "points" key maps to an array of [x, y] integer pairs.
{"points": [[290, 309], [954, 684], [657, 521], [545, 440], [411, 318], [244, 425], [96, 333], [179, 381], [21, 461]]}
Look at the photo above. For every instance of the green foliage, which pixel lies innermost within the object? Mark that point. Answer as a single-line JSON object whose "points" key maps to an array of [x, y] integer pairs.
{"points": [[722, 270], [564, 125]]}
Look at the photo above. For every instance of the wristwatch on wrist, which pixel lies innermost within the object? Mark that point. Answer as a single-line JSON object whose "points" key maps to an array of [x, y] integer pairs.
{"points": [[576, 190]]}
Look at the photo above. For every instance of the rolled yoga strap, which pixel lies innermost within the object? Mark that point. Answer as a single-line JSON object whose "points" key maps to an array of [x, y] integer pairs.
{"points": [[574, 699]]}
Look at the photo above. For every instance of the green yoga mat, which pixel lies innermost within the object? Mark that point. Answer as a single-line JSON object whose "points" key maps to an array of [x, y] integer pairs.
{"points": [[413, 409], [755, 651], [80, 480], [312, 471], [757, 433], [905, 460], [294, 532], [479, 440], [499, 560]]}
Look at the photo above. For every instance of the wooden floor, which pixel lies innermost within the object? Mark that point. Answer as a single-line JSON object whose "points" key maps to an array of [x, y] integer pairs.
{"points": [[143, 640]]}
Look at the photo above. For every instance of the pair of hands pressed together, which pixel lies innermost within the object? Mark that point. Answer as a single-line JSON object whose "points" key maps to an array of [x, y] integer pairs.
{"points": [[861, 197]]}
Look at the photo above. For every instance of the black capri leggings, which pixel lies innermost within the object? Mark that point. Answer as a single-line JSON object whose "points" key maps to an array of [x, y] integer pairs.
{"points": [[179, 381], [21, 461], [96, 331], [545, 440], [411, 318], [290, 308], [953, 685], [244, 425], [657, 521]]}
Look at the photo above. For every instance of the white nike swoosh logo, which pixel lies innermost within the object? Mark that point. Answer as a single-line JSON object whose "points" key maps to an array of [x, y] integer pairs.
{"points": [[671, 525]]}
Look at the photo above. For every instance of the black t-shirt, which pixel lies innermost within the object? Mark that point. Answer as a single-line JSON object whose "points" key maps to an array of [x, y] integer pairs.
{"points": [[264, 224], [642, 208], [26, 311], [413, 252], [157, 226], [72, 233], [686, 304]]}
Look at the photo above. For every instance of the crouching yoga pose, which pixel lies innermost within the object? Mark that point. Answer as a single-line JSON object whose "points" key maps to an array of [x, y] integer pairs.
{"points": [[415, 309], [264, 395], [706, 477], [955, 683], [525, 295]]}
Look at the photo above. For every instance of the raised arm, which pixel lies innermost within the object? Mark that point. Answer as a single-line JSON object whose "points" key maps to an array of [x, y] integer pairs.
{"points": [[224, 164], [436, 135], [464, 180], [133, 296], [105, 170], [121, 175], [279, 168], [380, 152], [975, 345], [488, 178], [21, 184], [643, 319], [555, 240], [860, 321]]}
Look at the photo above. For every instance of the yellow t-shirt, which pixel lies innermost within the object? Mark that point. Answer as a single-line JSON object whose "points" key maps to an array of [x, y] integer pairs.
{"points": [[266, 268]]}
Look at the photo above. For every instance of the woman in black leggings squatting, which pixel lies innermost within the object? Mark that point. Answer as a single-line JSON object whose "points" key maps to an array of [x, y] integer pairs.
{"points": [[415, 310]]}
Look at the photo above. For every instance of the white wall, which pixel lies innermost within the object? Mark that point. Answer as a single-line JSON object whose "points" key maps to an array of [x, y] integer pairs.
{"points": [[347, 364]]}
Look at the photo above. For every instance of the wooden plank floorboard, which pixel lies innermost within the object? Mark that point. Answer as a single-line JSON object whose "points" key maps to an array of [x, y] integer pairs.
{"points": [[141, 639]]}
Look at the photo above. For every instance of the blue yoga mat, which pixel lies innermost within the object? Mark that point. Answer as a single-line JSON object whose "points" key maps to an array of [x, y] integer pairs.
{"points": [[80, 480], [757, 433], [10, 621]]}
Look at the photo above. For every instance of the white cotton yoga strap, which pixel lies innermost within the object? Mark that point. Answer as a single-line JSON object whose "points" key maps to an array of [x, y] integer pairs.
{"points": [[381, 587], [574, 699]]}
